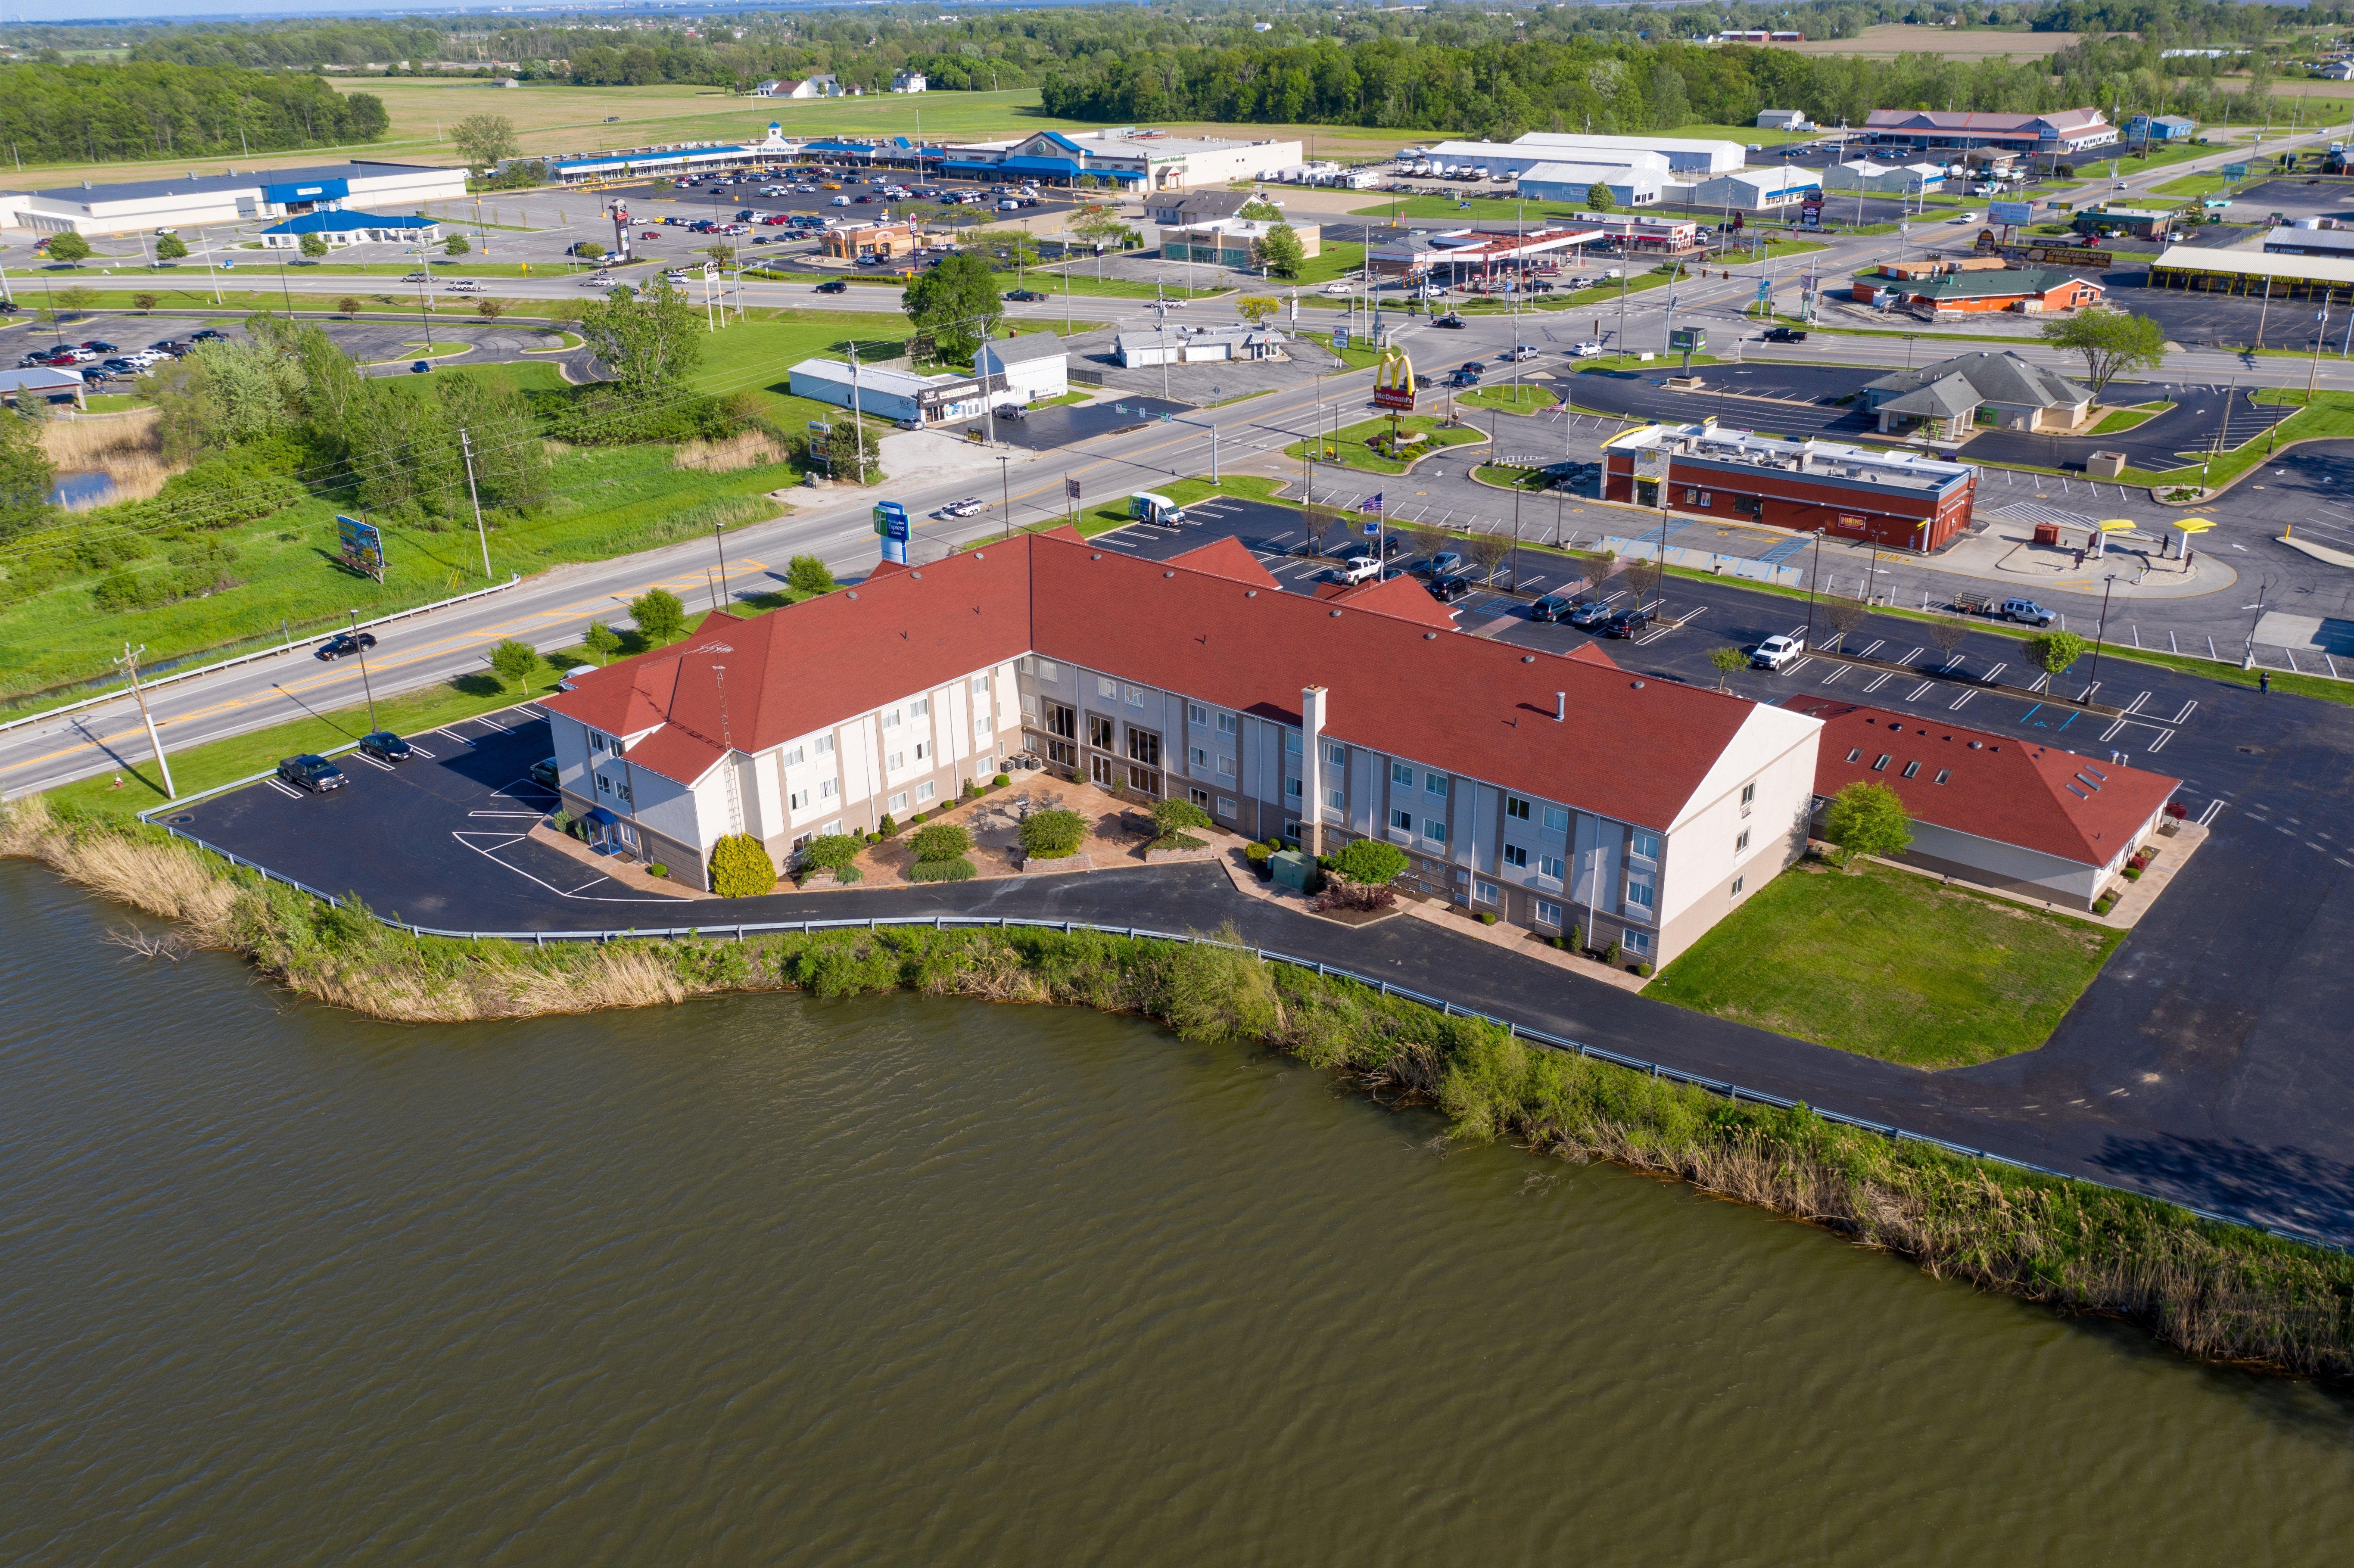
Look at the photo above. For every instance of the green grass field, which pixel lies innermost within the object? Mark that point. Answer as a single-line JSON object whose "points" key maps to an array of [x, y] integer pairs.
{"points": [[1347, 448], [1889, 964], [2125, 420], [1355, 356], [1522, 400]]}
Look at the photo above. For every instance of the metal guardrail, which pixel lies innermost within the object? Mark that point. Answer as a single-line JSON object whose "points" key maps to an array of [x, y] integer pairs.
{"points": [[1733, 1092], [287, 647]]}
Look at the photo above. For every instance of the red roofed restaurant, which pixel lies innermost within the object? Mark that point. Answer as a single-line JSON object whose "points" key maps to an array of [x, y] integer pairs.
{"points": [[2005, 813], [1552, 790]]}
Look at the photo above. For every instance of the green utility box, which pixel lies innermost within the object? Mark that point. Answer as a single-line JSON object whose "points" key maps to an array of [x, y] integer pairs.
{"points": [[1292, 870]]}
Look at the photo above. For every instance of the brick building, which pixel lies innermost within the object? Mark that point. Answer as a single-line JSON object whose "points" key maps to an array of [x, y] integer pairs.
{"points": [[1899, 500]]}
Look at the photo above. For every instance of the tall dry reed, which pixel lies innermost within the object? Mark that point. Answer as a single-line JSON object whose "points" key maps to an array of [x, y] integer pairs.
{"points": [[126, 447], [748, 448]]}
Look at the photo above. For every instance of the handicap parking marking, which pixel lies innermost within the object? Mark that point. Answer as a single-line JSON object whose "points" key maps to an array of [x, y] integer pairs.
{"points": [[505, 840]]}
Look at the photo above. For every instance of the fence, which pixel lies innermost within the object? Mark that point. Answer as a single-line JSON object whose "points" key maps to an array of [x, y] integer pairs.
{"points": [[1731, 1091]]}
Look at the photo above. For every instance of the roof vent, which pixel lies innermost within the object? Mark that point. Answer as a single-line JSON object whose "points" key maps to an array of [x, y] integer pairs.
{"points": [[1430, 637], [1250, 593], [854, 593], [1336, 615], [1528, 658], [979, 556], [917, 575], [1097, 557], [1636, 684], [1169, 574]]}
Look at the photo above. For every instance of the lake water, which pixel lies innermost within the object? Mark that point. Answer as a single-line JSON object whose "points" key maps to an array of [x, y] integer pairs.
{"points": [[764, 1280], [81, 490]]}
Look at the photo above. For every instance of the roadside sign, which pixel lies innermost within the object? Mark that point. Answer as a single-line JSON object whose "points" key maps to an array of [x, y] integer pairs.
{"points": [[1340, 337], [362, 543], [891, 521], [1071, 489], [2236, 171], [2014, 212]]}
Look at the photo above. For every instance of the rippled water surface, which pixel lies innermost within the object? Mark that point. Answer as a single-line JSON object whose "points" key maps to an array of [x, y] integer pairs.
{"points": [[763, 1281]]}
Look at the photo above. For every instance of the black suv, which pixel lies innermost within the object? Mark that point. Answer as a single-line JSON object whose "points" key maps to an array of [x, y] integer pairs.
{"points": [[1449, 319], [1027, 296], [313, 772], [1555, 608], [1448, 586], [1626, 623], [345, 643], [387, 747], [834, 286]]}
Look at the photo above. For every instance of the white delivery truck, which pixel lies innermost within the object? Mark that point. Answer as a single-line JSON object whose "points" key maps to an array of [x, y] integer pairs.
{"points": [[1146, 507]]}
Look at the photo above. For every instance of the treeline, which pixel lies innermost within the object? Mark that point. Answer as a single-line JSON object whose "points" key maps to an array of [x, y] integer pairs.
{"points": [[100, 114], [301, 46]]}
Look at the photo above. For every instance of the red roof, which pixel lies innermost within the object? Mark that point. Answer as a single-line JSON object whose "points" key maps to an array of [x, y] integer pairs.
{"points": [[1228, 557], [2012, 791], [1399, 596]]}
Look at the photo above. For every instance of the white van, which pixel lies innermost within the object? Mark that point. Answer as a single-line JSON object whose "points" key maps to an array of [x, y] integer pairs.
{"points": [[1146, 507]]}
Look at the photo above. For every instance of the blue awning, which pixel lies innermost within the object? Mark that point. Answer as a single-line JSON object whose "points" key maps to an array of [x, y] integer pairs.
{"points": [[1065, 166], [601, 817]]}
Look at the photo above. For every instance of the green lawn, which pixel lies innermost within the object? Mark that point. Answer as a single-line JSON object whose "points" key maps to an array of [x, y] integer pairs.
{"points": [[1114, 515], [1889, 964], [201, 767], [1356, 357], [1510, 477], [1338, 259], [1349, 448], [2125, 420], [2331, 415], [2192, 185], [1522, 399]]}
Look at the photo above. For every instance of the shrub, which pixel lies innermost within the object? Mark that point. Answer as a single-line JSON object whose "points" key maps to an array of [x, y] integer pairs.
{"points": [[656, 868], [2132, 874], [808, 575], [1575, 939], [1370, 860], [1643, 971], [1610, 954], [915, 820], [561, 821], [1486, 917], [887, 827], [830, 852], [1001, 782], [741, 868], [1053, 834], [942, 840], [1354, 895], [958, 869], [1258, 854], [1172, 818]]}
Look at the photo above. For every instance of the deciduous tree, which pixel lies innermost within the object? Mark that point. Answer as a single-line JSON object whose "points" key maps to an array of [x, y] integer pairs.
{"points": [[2111, 342], [1256, 309], [513, 662], [660, 617], [2053, 651], [808, 575], [485, 140], [1280, 249], [68, 246], [1599, 198], [314, 246], [1726, 661], [171, 248], [1868, 819], [456, 245], [957, 302], [652, 339]]}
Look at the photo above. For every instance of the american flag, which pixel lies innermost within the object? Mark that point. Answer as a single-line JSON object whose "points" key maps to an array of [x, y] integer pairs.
{"points": [[1373, 506]]}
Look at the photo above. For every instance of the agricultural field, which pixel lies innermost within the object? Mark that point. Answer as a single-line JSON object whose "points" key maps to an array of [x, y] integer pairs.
{"points": [[1890, 39]]}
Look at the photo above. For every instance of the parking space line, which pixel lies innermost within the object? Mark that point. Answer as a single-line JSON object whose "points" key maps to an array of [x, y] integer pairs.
{"points": [[2185, 713], [1964, 698], [1991, 674], [287, 791], [421, 751], [1919, 692], [372, 762], [1880, 680], [1837, 671]]}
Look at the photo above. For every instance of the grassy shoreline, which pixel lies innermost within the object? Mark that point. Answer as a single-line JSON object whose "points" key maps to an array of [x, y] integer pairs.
{"points": [[2204, 1287]]}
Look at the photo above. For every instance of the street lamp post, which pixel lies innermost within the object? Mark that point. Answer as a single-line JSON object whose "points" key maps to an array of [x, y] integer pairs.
{"points": [[367, 689], [1814, 581], [2100, 630]]}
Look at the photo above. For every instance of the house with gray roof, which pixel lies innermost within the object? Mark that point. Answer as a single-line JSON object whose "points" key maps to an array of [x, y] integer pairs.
{"points": [[1184, 209], [1944, 399]]}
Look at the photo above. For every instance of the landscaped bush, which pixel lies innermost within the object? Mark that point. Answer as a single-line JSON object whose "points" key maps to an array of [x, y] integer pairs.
{"points": [[1370, 860], [887, 827], [1053, 834], [942, 870], [1610, 954], [1001, 782], [1643, 971], [1486, 917], [941, 840], [741, 868], [656, 868], [833, 853], [1172, 818]]}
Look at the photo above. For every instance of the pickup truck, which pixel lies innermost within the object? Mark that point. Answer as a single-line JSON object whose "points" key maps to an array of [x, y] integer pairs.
{"points": [[2025, 611]]}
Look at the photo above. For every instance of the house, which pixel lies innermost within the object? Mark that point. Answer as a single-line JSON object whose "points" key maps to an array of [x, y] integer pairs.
{"points": [[1232, 241], [912, 400], [1177, 207], [1946, 398], [819, 86], [1027, 368], [1898, 499], [340, 228], [908, 81], [1783, 120], [1177, 345], [1552, 790], [2161, 127], [2027, 290], [1572, 182], [2337, 70], [1862, 174], [2015, 815], [1758, 190]]}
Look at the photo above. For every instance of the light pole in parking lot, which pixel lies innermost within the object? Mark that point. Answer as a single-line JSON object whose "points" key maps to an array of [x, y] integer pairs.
{"points": [[2099, 630]]}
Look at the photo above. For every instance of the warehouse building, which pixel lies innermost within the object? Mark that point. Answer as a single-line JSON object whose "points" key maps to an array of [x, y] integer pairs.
{"points": [[1863, 175], [1687, 158], [1141, 160], [1205, 345], [1899, 500], [913, 400], [2299, 241], [1571, 183], [1025, 369], [1758, 190], [194, 200], [1549, 790]]}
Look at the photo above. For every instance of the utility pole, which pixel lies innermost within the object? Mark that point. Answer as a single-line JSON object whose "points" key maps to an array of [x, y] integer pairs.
{"points": [[1814, 581], [1005, 490], [130, 661], [367, 689], [466, 445], [857, 415], [719, 543]]}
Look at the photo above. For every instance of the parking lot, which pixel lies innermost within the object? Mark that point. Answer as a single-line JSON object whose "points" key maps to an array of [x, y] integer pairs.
{"points": [[381, 347]]}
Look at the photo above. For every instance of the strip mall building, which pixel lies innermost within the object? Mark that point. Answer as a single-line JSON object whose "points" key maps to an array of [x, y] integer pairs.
{"points": [[1552, 790], [1899, 500]]}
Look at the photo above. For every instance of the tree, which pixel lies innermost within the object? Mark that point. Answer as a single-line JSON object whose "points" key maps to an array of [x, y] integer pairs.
{"points": [[77, 299], [25, 475], [314, 246], [1487, 553], [486, 140], [589, 250], [1260, 209], [1844, 615], [513, 662], [1949, 633], [1868, 819], [1172, 821], [2111, 342], [653, 341], [957, 302], [941, 840], [1053, 833], [1280, 249], [455, 246], [489, 309], [147, 303], [1258, 309], [1726, 661], [171, 248], [2053, 651], [808, 575], [1372, 862], [601, 639], [349, 305], [1599, 198], [70, 247], [723, 253], [741, 868], [659, 616]]}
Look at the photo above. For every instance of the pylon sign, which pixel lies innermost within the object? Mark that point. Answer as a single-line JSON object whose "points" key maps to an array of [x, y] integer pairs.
{"points": [[1394, 385]]}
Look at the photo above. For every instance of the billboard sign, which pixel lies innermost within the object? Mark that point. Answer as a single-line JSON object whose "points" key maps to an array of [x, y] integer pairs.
{"points": [[2236, 171], [1393, 387], [891, 523], [2014, 212], [361, 545]]}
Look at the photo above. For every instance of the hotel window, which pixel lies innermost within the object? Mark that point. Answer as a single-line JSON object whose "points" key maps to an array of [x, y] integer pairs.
{"points": [[1749, 796], [921, 707], [1291, 743], [1485, 892], [1196, 714], [604, 785], [923, 749], [1292, 830], [979, 684], [1226, 723], [1402, 775], [623, 791], [833, 827], [1226, 807], [1515, 855], [891, 719], [1516, 808], [1402, 821], [1144, 746], [1225, 768], [1099, 732], [899, 801], [1336, 754], [827, 789], [1740, 844], [1199, 797], [1639, 892], [793, 759], [797, 800], [1197, 756], [1556, 819], [1736, 886], [825, 745], [1029, 706], [1108, 687], [1436, 783], [894, 762], [1646, 846], [983, 726], [1434, 829], [1550, 865], [1049, 671], [1135, 696], [1638, 941], [1291, 789], [926, 791], [1881, 763], [1911, 768], [1548, 914], [1337, 799]]}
